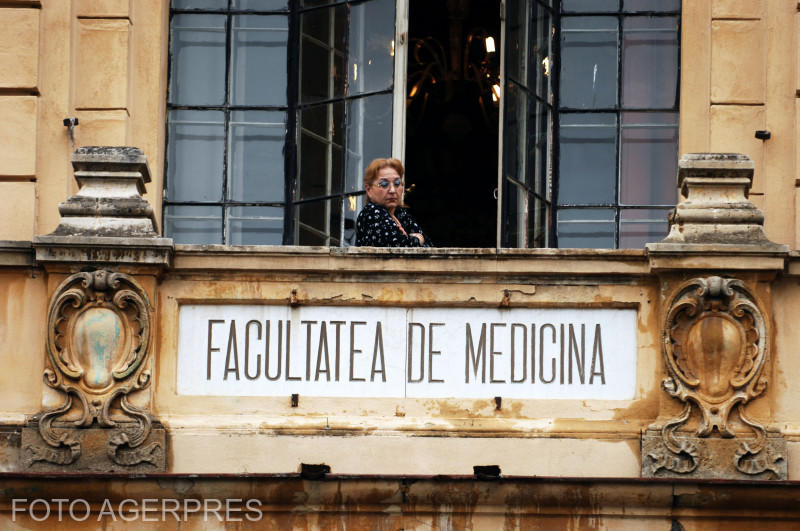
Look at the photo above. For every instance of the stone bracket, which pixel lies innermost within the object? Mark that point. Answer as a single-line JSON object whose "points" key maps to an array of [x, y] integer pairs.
{"points": [[97, 450]]}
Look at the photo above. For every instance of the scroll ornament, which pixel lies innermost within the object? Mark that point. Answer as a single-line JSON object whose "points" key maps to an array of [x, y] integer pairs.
{"points": [[99, 336], [715, 346]]}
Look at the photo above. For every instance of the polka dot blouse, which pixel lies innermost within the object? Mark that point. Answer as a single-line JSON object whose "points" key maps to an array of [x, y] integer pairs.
{"points": [[375, 227]]}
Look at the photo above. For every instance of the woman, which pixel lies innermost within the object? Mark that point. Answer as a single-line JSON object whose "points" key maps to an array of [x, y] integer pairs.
{"points": [[384, 221]]}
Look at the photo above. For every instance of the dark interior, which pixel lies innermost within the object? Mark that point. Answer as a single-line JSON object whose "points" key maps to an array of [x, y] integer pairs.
{"points": [[452, 120]]}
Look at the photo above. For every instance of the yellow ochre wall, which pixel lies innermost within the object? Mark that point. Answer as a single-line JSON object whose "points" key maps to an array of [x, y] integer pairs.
{"points": [[101, 61], [104, 62]]}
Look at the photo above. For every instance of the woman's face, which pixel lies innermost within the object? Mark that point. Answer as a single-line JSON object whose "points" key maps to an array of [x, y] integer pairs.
{"points": [[387, 189]]}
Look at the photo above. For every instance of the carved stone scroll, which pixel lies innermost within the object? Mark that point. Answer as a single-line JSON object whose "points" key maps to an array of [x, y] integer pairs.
{"points": [[715, 346], [98, 341]]}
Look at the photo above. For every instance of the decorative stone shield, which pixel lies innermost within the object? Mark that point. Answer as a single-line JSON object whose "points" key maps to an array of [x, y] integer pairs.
{"points": [[715, 347], [99, 337]]}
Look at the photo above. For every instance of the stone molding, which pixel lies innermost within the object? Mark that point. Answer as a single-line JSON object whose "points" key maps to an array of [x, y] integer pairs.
{"points": [[107, 221], [98, 346], [715, 345], [715, 331], [715, 221]]}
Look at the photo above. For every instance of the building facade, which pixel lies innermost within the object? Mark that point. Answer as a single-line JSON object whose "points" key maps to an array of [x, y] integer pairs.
{"points": [[188, 333]]}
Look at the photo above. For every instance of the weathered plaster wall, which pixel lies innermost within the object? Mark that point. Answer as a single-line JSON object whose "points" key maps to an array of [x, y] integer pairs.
{"points": [[101, 61], [386, 436], [739, 74]]}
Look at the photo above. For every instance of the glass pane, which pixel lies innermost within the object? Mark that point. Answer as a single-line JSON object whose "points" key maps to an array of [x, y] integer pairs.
{"points": [[255, 226], [588, 62], [640, 226], [516, 40], [211, 5], [369, 136], [590, 6], [649, 161], [193, 224], [652, 5], [352, 206], [258, 70], [538, 222], [320, 222], [321, 166], [588, 159], [262, 5], [515, 149], [324, 121], [650, 62], [515, 215], [314, 3], [542, 59], [256, 156], [540, 180], [586, 228], [198, 60], [322, 49], [370, 47], [316, 172], [195, 154]]}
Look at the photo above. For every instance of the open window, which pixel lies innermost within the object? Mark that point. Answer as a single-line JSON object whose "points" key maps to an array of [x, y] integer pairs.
{"points": [[549, 123]]}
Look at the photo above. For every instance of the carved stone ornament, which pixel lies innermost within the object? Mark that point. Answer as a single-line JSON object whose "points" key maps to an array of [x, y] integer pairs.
{"points": [[715, 345], [99, 337]]}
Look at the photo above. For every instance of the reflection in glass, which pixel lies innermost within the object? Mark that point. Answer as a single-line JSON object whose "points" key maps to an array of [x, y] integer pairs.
{"points": [[588, 161], [256, 156], [588, 62], [650, 62], [516, 36], [538, 223], [515, 211], [370, 64], [320, 222], [586, 228], [255, 225], [541, 178], [640, 226], [196, 145], [320, 144], [649, 158], [515, 150], [198, 60], [259, 60], [541, 54], [369, 136], [193, 224], [322, 49]]}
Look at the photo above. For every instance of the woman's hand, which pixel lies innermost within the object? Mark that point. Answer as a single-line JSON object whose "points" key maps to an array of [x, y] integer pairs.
{"points": [[418, 236]]}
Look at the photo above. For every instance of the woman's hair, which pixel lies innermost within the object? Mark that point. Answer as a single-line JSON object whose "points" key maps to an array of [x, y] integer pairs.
{"points": [[377, 165], [371, 174]]}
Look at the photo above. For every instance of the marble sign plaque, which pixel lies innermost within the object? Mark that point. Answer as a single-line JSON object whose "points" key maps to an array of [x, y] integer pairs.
{"points": [[340, 351]]}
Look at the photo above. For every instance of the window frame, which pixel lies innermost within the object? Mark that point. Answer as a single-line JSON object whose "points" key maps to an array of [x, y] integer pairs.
{"points": [[618, 110]]}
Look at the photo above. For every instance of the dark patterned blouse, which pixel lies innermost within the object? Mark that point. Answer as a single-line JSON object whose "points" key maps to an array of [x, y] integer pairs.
{"points": [[376, 227]]}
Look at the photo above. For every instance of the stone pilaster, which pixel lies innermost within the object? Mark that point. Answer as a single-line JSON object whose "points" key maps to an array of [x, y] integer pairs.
{"points": [[102, 260], [716, 267]]}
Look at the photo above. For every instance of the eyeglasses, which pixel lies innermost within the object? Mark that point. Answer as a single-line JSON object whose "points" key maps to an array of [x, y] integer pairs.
{"points": [[384, 183]]}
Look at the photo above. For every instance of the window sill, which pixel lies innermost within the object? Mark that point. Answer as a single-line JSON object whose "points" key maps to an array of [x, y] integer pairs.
{"points": [[411, 260]]}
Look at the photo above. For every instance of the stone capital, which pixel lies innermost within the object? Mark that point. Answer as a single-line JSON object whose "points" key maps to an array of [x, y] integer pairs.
{"points": [[107, 221], [715, 225]]}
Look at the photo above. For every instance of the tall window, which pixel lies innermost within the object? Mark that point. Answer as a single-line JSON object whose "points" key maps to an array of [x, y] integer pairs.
{"points": [[273, 108], [617, 121]]}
